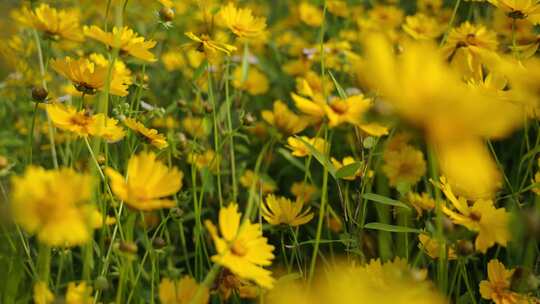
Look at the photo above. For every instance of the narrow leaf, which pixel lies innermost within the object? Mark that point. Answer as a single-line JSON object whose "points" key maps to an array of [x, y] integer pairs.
{"points": [[385, 200], [348, 170], [391, 228]]}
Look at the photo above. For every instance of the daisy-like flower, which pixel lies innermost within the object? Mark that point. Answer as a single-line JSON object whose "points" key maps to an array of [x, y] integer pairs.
{"points": [[154, 138], [256, 82], [497, 287], [404, 165], [519, 9], [278, 210], [181, 292], [310, 14], [128, 42], [88, 77], [54, 204], [283, 119], [482, 217], [55, 24], [420, 202], [241, 248], [351, 110], [242, 22], [209, 46], [148, 182], [83, 124], [467, 47], [300, 149]]}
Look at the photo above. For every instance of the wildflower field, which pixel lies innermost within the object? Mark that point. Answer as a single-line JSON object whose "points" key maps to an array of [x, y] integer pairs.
{"points": [[270, 151]]}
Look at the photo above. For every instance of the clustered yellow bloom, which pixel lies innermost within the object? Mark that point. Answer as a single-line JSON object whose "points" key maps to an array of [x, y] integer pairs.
{"points": [[124, 39], [280, 210], [285, 120], [148, 181], [55, 205], [241, 247], [300, 148], [151, 135], [242, 22]]}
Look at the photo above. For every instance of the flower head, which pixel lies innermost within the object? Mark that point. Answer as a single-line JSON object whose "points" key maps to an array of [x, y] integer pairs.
{"points": [[79, 293], [88, 77], [519, 9], [181, 292], [124, 39], [497, 287], [154, 138], [256, 83], [242, 22], [42, 293], [54, 204], [210, 46], [285, 120], [55, 24], [278, 210], [432, 247], [300, 149], [148, 181], [241, 247]]}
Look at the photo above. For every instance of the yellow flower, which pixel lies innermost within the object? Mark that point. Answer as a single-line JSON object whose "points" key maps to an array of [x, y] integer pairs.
{"points": [[497, 287], [55, 24], [432, 247], [230, 284], [241, 248], [196, 127], [351, 110], [404, 165], [42, 293], [519, 9], [454, 116], [89, 77], [313, 108], [482, 217], [54, 204], [81, 123], [285, 120], [207, 159], [147, 182], [128, 41], [265, 185], [303, 191], [209, 46], [310, 14], [280, 210], [421, 202], [181, 292], [242, 22], [468, 47], [300, 149], [154, 138], [422, 27], [256, 83], [79, 294]]}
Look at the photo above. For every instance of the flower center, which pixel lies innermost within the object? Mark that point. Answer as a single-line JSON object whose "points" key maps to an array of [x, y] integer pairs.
{"points": [[238, 248], [475, 216]]}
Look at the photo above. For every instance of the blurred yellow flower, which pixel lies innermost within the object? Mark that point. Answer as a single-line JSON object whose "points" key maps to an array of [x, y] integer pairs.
{"points": [[278, 210], [405, 165], [482, 217], [285, 120], [256, 82], [89, 77], [497, 287], [147, 182], [300, 149], [195, 126], [432, 247], [265, 185], [124, 39], [310, 14], [207, 159], [422, 27], [209, 46], [151, 135], [347, 160], [55, 24], [241, 248], [303, 191], [42, 293], [181, 292], [454, 116], [242, 22], [420, 202], [79, 293], [54, 204], [351, 110]]}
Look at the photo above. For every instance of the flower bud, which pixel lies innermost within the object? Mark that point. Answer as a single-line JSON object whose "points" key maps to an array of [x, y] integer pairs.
{"points": [[101, 283], [166, 14], [39, 94], [464, 247], [128, 247], [159, 243]]}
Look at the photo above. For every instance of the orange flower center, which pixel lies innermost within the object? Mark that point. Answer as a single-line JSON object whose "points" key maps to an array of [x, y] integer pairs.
{"points": [[238, 248]]}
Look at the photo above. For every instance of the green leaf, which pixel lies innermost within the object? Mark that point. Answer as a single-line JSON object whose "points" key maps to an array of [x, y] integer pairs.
{"points": [[384, 200], [294, 161], [348, 170], [321, 158], [391, 228], [340, 90]]}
